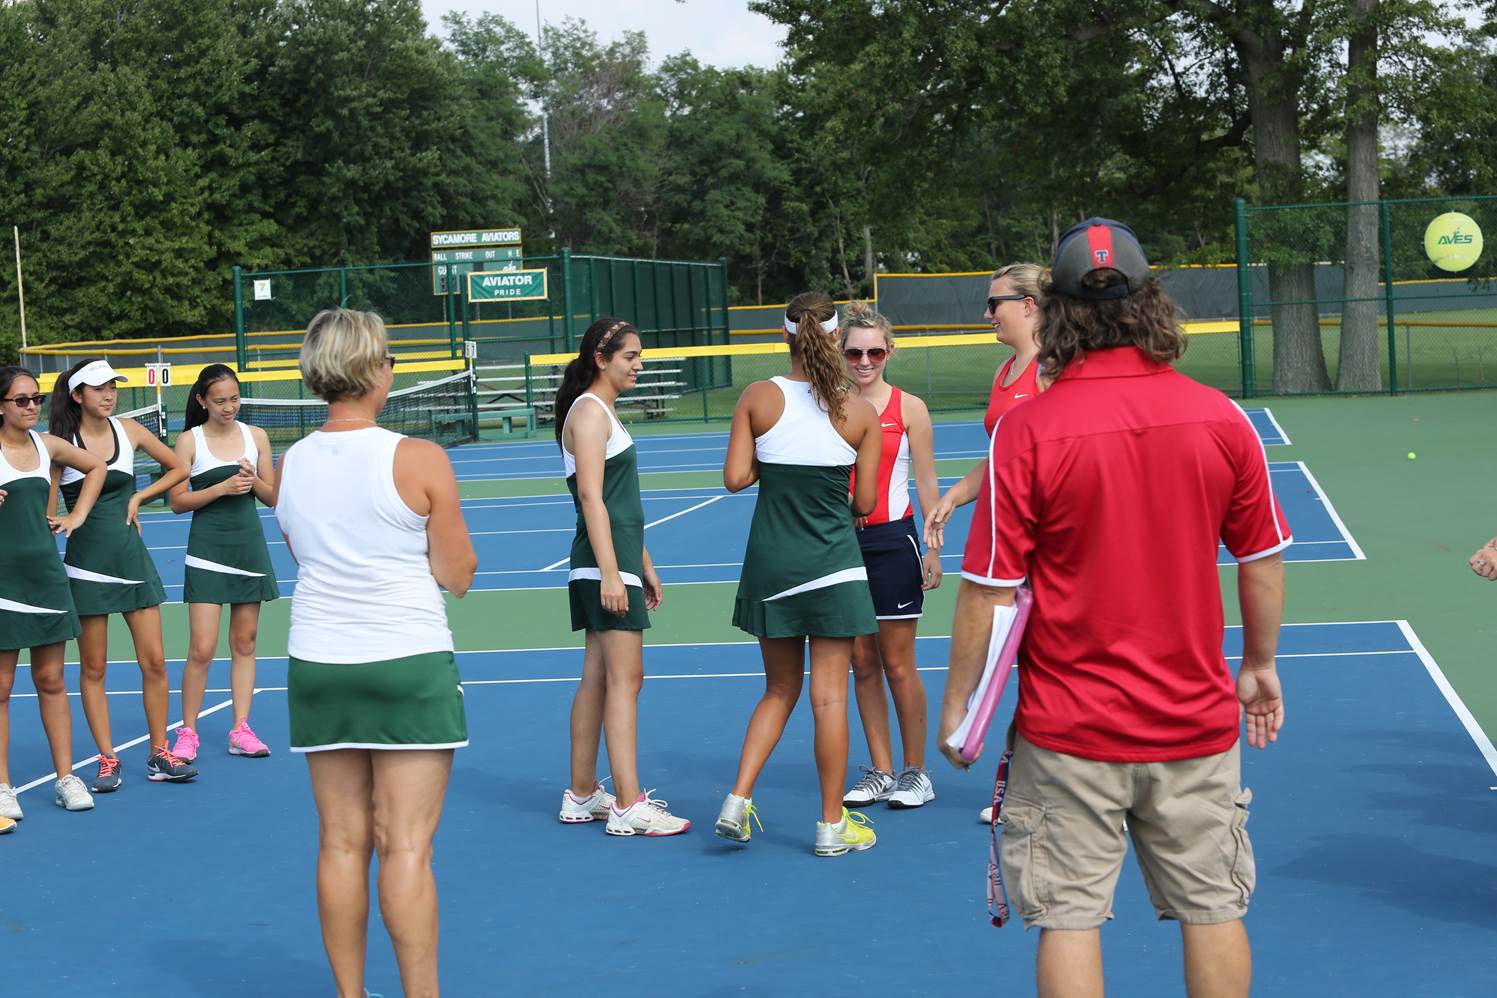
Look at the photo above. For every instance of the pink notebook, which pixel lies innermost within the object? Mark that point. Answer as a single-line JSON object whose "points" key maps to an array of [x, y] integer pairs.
{"points": [[1003, 654]]}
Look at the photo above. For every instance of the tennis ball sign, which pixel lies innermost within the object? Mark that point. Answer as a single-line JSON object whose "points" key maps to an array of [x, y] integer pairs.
{"points": [[1452, 241]]}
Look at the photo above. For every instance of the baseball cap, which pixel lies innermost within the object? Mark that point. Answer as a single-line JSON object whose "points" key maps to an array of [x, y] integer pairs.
{"points": [[1098, 244], [95, 373]]}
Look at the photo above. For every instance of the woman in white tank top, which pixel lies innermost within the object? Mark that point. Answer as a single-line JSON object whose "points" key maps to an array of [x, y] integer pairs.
{"points": [[375, 525]]}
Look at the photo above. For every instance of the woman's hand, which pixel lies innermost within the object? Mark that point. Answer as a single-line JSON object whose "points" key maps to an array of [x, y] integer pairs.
{"points": [[932, 565], [615, 595], [1484, 561], [237, 484], [132, 514], [654, 591], [936, 520], [65, 525]]}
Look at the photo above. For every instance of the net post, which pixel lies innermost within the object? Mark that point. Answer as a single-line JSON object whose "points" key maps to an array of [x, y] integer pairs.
{"points": [[451, 325], [566, 306], [1244, 300], [1386, 226], [240, 357], [342, 287]]}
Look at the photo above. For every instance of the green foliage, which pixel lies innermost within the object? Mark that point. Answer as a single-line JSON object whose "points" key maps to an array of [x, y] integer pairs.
{"points": [[153, 144]]}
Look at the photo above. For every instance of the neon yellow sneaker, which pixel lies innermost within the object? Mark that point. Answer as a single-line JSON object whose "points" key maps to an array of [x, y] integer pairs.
{"points": [[736, 817], [852, 834]]}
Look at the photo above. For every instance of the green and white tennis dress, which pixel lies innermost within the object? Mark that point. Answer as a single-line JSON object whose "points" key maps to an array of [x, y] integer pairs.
{"points": [[371, 653], [107, 562], [36, 605], [227, 559], [626, 522], [803, 572]]}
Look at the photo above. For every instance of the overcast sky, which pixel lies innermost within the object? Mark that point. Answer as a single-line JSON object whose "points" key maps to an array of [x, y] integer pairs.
{"points": [[717, 32]]}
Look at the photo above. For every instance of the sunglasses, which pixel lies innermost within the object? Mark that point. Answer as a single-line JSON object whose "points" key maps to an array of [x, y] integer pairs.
{"points": [[875, 354], [390, 359], [27, 401], [997, 300]]}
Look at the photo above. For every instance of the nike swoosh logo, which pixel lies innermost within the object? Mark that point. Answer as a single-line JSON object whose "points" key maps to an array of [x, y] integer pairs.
{"points": [[1023, 395], [903, 605], [889, 426]]}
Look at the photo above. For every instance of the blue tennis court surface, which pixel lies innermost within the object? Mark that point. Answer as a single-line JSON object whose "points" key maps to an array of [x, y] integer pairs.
{"points": [[1372, 822]]}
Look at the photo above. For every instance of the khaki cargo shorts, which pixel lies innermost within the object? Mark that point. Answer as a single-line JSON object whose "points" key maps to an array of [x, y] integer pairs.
{"points": [[1064, 839]]}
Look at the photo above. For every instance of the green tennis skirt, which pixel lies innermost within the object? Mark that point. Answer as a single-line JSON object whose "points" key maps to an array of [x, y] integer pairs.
{"points": [[414, 702]]}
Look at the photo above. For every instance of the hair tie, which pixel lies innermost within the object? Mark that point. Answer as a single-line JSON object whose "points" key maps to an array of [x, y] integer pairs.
{"points": [[608, 335], [828, 327]]}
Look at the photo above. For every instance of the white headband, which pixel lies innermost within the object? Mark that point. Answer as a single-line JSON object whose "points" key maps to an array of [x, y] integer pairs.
{"points": [[828, 327]]}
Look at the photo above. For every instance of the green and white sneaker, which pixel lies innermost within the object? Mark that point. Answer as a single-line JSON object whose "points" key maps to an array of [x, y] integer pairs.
{"points": [[72, 794], [851, 834], [875, 785], [736, 817], [9, 806], [913, 789]]}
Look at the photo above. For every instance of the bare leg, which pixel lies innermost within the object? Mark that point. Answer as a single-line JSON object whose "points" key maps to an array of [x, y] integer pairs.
{"points": [[1069, 964], [408, 791], [343, 788], [202, 622], [587, 717], [1218, 960], [52, 698], [829, 661], [145, 630], [93, 656], [873, 703], [896, 646], [623, 659], [244, 623], [784, 672], [8, 659]]}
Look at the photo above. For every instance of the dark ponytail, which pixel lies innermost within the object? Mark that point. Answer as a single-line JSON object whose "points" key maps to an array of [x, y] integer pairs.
{"points": [[195, 414], [65, 413], [817, 350], [8, 376], [605, 336]]}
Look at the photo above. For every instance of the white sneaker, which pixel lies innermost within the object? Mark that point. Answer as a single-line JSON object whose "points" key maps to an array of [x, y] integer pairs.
{"points": [[72, 794], [986, 816], [9, 806], [736, 819], [874, 785], [594, 807], [646, 816], [913, 789]]}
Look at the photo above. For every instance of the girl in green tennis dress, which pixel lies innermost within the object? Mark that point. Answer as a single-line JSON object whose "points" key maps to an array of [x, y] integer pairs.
{"points": [[109, 568], [227, 557], [799, 437], [612, 582], [36, 605]]}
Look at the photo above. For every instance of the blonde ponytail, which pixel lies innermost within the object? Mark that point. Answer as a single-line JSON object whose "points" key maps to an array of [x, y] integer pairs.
{"points": [[817, 350]]}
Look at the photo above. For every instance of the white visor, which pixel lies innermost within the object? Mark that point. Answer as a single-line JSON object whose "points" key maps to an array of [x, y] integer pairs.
{"points": [[95, 373], [828, 327]]}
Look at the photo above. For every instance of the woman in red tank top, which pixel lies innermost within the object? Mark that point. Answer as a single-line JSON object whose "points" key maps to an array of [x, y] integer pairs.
{"points": [[898, 574], [1013, 310]]}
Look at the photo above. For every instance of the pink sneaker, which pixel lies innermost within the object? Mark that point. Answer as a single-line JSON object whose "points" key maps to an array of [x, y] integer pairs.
{"points": [[186, 748], [243, 741]]}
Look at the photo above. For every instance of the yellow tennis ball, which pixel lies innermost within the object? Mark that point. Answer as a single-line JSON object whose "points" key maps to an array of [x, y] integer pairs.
{"points": [[1412, 455], [1452, 241]]}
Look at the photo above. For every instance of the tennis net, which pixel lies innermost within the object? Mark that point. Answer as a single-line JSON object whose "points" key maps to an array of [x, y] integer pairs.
{"points": [[440, 410]]}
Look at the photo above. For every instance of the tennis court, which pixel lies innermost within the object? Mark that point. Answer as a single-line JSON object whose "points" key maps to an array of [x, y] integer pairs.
{"points": [[1373, 821]]}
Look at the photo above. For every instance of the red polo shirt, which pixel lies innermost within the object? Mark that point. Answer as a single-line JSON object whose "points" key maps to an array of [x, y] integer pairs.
{"points": [[1110, 492]]}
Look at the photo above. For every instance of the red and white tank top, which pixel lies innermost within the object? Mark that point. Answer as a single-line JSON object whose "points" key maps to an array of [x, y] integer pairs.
{"points": [[1004, 398], [893, 465]]}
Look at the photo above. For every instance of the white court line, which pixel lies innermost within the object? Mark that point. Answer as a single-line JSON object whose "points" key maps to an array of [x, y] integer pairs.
{"points": [[1283, 437], [1325, 501], [654, 523], [120, 748], [1462, 712]]}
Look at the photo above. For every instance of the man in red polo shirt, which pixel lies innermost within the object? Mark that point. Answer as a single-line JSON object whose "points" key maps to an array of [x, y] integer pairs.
{"points": [[1110, 493]]}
